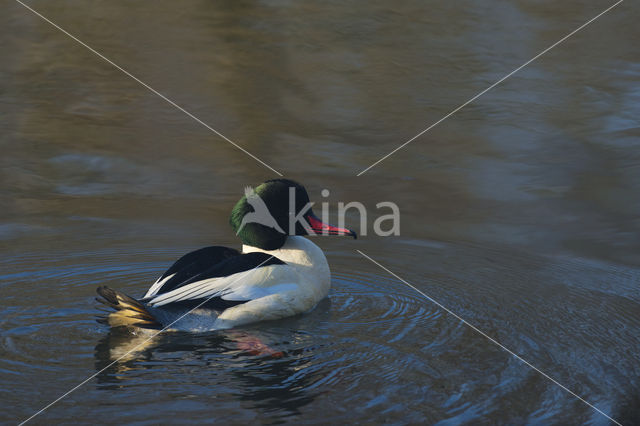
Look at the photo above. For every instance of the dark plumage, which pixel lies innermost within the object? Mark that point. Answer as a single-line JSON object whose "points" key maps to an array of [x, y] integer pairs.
{"points": [[128, 310], [201, 266]]}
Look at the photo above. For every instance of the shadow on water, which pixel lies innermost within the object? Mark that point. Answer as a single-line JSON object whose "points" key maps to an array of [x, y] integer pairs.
{"points": [[265, 366]]}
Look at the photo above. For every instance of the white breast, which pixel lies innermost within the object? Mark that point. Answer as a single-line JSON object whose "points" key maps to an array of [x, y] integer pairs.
{"points": [[306, 258]]}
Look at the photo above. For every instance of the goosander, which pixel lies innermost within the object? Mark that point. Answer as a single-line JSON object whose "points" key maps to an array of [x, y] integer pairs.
{"points": [[277, 274]]}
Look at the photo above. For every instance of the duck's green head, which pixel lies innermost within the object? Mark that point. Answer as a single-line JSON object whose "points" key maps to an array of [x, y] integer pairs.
{"points": [[265, 216]]}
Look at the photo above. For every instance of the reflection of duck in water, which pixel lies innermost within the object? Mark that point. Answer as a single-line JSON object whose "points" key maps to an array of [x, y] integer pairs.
{"points": [[278, 385], [128, 345], [276, 275]]}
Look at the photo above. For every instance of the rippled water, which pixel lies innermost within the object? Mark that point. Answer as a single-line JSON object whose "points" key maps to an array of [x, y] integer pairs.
{"points": [[520, 213]]}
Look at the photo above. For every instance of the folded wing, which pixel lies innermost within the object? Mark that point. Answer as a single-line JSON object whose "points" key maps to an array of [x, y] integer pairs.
{"points": [[190, 266], [239, 277]]}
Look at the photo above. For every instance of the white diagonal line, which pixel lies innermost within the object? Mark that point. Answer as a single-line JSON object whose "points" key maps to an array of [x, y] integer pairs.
{"points": [[491, 87], [137, 346], [149, 87], [492, 340]]}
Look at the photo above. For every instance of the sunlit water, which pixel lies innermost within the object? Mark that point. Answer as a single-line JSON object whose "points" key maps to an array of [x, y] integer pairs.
{"points": [[520, 213]]}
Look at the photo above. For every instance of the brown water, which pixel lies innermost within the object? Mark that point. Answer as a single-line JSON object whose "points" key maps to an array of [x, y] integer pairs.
{"points": [[520, 213]]}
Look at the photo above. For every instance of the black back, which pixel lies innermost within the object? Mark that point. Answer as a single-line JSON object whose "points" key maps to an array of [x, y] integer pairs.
{"points": [[212, 262], [194, 263]]}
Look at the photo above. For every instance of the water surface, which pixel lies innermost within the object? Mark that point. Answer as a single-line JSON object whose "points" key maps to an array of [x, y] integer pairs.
{"points": [[520, 213]]}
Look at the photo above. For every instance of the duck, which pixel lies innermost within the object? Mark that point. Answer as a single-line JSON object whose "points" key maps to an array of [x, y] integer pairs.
{"points": [[278, 272]]}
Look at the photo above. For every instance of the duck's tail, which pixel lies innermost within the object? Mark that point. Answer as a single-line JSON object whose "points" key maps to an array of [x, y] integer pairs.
{"points": [[129, 312]]}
